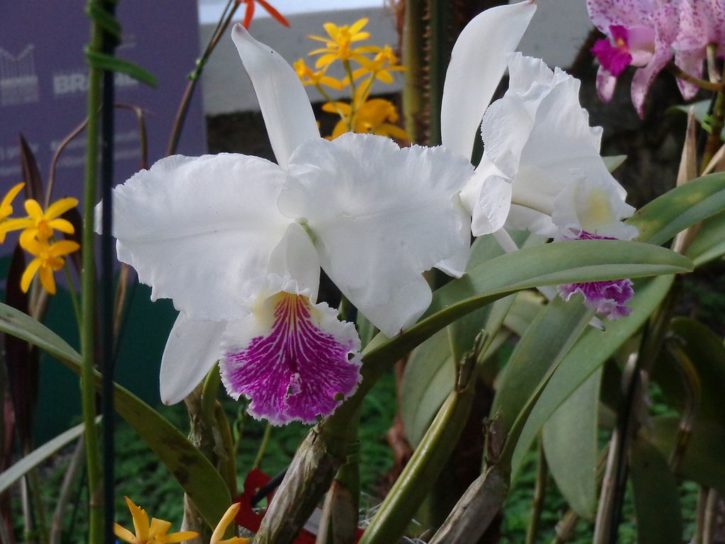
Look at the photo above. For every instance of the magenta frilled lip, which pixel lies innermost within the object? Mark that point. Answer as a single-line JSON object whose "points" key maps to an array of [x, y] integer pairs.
{"points": [[296, 372], [614, 55], [607, 298]]}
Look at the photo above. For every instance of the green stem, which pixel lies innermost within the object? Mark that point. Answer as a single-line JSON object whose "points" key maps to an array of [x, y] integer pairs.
{"points": [[73, 295], [717, 123], [222, 25], [353, 90], [542, 475], [428, 460], [340, 512], [88, 287], [263, 446], [701, 83]]}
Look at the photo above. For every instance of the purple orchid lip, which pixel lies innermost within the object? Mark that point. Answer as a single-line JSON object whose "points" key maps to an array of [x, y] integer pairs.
{"points": [[606, 298], [297, 371], [614, 55]]}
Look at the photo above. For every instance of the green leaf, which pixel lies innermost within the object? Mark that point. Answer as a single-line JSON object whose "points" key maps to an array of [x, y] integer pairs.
{"points": [[705, 352], [524, 310], [422, 471], [570, 445], [190, 467], [588, 355], [703, 459], [547, 340], [551, 264], [428, 379], [33, 459], [110, 63], [709, 244], [683, 206], [656, 496]]}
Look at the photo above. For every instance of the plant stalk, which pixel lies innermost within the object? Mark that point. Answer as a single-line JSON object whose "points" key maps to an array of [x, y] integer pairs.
{"points": [[717, 123], [88, 286], [542, 476]]}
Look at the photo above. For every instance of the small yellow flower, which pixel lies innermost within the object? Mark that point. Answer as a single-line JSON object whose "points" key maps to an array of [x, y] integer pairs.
{"points": [[41, 224], [339, 44], [311, 77], [221, 528], [48, 259], [153, 533], [374, 116], [6, 210], [380, 66]]}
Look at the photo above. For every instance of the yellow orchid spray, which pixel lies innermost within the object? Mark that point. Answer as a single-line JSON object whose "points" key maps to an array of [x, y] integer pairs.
{"points": [[38, 236], [8, 224], [154, 532], [360, 113]]}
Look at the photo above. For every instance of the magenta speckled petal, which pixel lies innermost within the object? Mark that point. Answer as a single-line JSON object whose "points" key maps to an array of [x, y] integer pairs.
{"points": [[301, 369], [606, 298]]}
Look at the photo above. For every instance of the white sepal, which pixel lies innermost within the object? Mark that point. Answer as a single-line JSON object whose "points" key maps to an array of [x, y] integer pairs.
{"points": [[285, 107], [478, 62]]}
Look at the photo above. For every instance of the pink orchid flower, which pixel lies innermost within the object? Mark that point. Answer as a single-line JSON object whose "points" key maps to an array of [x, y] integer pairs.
{"points": [[640, 33], [702, 23]]}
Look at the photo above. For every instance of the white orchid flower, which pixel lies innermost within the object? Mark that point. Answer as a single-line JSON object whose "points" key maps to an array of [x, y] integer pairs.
{"points": [[542, 158], [237, 243]]}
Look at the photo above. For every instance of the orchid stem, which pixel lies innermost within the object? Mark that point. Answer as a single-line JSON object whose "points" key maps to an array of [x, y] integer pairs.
{"points": [[263, 446], [701, 83], [73, 295], [542, 475], [222, 25], [714, 139], [88, 288]]}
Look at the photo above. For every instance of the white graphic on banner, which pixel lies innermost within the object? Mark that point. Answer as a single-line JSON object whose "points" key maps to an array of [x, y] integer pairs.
{"points": [[18, 79]]}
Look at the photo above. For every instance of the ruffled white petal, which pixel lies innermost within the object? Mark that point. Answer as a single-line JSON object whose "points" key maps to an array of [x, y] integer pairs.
{"points": [[380, 216], [201, 230], [191, 350], [285, 107], [478, 61], [487, 195], [538, 138]]}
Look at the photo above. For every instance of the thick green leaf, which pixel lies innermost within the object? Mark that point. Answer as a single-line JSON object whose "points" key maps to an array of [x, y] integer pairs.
{"points": [[588, 355], [33, 459], [430, 371], [190, 467], [703, 459], [665, 216], [524, 310], [709, 244], [705, 352], [428, 379], [570, 445], [462, 332], [547, 340], [656, 496], [551, 264]]}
